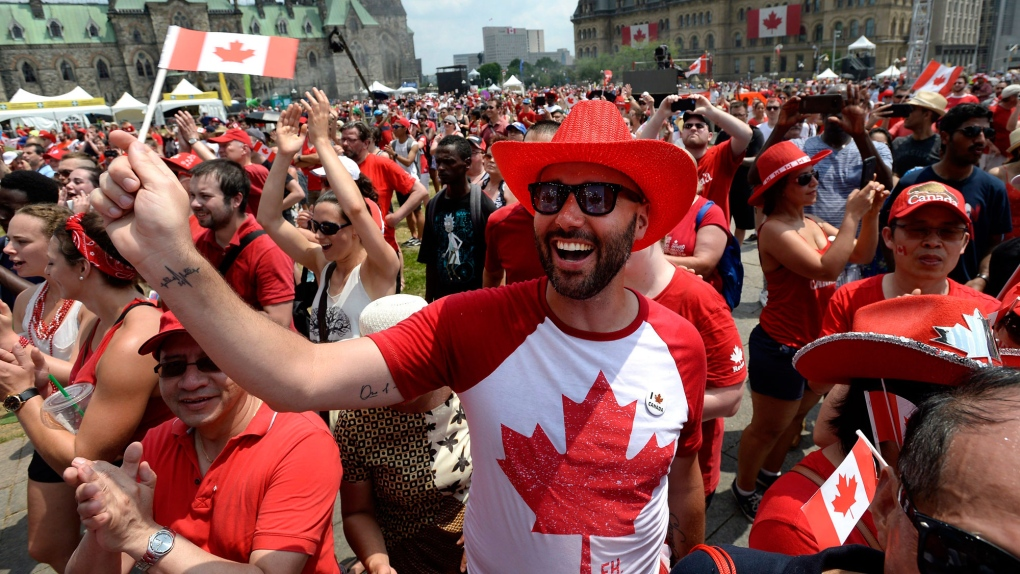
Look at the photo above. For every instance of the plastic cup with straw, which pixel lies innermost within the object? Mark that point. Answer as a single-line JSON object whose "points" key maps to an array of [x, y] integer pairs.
{"points": [[63, 391]]}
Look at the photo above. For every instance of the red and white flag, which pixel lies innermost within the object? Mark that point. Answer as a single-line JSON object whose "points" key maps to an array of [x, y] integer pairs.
{"points": [[699, 67], [262, 149], [196, 51], [639, 36], [774, 22], [937, 77], [889, 414], [834, 510]]}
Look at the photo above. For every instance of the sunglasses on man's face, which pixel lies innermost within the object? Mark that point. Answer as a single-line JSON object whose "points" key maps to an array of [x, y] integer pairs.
{"points": [[771, 108], [945, 549], [694, 126], [326, 227], [548, 197], [174, 369], [972, 132]]}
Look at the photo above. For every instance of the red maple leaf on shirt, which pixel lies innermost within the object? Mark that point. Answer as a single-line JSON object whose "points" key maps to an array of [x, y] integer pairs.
{"points": [[772, 22], [235, 53], [592, 489], [847, 496], [939, 80]]}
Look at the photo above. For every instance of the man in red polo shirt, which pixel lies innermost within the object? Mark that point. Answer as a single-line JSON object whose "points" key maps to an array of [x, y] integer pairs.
{"points": [[386, 177], [237, 481], [261, 273]]}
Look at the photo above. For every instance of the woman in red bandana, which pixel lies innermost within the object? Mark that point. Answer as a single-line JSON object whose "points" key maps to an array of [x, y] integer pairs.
{"points": [[84, 266]]}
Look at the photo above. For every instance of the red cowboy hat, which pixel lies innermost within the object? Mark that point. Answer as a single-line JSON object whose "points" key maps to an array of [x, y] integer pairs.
{"points": [[594, 132], [776, 162], [925, 338]]}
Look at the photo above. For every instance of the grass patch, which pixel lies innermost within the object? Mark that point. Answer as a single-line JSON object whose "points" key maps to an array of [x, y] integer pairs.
{"points": [[414, 272]]}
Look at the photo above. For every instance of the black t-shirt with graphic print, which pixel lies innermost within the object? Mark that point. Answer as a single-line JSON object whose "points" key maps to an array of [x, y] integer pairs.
{"points": [[452, 247]]}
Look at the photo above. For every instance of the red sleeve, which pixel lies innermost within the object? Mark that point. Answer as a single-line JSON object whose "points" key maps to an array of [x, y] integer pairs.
{"points": [[493, 263], [779, 535], [689, 354], [257, 175], [397, 178], [274, 274], [298, 503], [838, 317]]}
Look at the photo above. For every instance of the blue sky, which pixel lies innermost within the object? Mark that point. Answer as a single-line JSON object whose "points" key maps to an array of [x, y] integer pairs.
{"points": [[443, 28]]}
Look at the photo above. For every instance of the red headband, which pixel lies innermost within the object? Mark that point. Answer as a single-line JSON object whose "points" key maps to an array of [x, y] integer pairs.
{"points": [[95, 254]]}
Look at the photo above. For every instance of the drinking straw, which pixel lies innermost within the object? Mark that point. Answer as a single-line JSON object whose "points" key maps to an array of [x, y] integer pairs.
{"points": [[63, 391]]}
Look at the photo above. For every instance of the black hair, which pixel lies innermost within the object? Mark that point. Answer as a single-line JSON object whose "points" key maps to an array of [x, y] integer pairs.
{"points": [[364, 132], [459, 144], [38, 149], [851, 414], [37, 187], [883, 131], [1005, 260], [987, 397], [232, 178], [544, 128], [956, 117], [738, 104], [771, 196]]}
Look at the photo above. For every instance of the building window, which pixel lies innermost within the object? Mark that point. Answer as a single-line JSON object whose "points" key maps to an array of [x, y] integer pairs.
{"points": [[782, 63], [738, 40], [28, 72], [102, 70], [92, 30], [679, 44], [710, 42], [800, 62], [694, 42], [819, 33], [181, 20], [766, 64], [255, 28], [750, 65], [736, 65], [143, 65], [869, 27], [752, 42], [595, 52], [66, 72], [136, 36], [281, 27], [802, 37], [313, 60], [766, 41], [855, 28], [740, 18], [708, 17], [56, 30], [308, 27], [17, 32]]}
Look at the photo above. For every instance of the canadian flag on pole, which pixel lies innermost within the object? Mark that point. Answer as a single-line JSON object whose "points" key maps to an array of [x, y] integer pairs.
{"points": [[937, 77], [889, 414], [196, 51], [638, 36], [774, 22], [834, 510], [699, 67]]}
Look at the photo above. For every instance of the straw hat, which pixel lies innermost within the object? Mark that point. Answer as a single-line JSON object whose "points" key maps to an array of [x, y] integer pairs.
{"points": [[595, 132], [930, 101], [1014, 140], [776, 162], [386, 312]]}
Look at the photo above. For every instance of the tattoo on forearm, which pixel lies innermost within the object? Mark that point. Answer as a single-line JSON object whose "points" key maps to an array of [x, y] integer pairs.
{"points": [[181, 279], [367, 392], [674, 536]]}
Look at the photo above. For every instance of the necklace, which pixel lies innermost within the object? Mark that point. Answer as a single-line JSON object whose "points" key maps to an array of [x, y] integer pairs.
{"points": [[201, 447], [44, 331]]}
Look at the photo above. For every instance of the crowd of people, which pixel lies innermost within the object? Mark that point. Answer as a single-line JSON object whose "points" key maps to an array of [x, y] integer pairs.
{"points": [[234, 294]]}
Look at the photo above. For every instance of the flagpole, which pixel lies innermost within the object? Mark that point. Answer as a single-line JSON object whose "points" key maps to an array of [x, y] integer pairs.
{"points": [[157, 89], [872, 448]]}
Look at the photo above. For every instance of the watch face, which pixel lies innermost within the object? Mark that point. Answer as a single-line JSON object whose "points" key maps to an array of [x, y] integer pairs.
{"points": [[161, 543], [12, 402]]}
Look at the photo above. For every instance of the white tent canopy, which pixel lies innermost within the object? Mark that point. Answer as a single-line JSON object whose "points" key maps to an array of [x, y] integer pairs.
{"points": [[54, 116], [26, 97], [473, 74], [127, 102], [494, 88], [378, 87], [861, 43], [512, 81], [890, 72], [828, 74], [407, 90], [186, 88]]}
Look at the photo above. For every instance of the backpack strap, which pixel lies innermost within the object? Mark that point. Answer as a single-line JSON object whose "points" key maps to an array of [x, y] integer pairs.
{"points": [[723, 563], [476, 208], [818, 480], [234, 252], [701, 214]]}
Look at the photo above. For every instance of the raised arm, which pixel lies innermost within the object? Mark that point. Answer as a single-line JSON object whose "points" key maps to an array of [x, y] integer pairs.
{"points": [[187, 130], [650, 129], [146, 211]]}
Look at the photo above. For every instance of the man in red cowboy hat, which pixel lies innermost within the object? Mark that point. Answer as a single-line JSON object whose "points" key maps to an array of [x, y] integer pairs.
{"points": [[583, 397]]}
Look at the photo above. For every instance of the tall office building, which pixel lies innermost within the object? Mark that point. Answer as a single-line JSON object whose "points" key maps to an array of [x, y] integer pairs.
{"points": [[503, 44], [536, 41]]}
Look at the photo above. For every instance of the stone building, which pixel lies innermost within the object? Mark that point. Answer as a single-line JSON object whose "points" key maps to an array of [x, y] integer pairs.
{"points": [[109, 47], [719, 27]]}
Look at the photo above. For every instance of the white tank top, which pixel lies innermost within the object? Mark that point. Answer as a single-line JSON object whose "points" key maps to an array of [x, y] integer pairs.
{"points": [[342, 311], [403, 150], [63, 339]]}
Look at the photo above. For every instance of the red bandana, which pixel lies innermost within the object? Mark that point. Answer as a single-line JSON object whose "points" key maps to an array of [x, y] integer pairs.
{"points": [[95, 254]]}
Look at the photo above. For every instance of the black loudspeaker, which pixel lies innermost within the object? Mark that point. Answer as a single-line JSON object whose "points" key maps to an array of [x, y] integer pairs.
{"points": [[452, 79], [656, 82]]}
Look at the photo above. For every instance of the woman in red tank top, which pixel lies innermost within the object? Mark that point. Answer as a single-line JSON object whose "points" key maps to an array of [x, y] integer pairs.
{"points": [[801, 259], [84, 266]]}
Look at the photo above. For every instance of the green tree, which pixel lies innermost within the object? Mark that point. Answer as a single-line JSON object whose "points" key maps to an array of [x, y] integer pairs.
{"points": [[489, 74], [515, 65]]}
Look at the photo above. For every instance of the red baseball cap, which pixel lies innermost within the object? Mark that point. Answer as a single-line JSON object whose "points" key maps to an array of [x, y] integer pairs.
{"points": [[55, 153], [233, 135], [930, 193], [183, 160], [168, 325], [402, 122], [476, 142]]}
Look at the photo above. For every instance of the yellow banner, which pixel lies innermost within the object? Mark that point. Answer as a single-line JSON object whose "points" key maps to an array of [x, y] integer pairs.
{"points": [[6, 106], [224, 91], [202, 96]]}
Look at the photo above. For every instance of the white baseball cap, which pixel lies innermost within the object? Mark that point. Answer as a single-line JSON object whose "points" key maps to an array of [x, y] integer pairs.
{"points": [[352, 168]]}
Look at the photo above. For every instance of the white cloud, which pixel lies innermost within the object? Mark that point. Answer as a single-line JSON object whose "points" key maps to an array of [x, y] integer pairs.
{"points": [[443, 28]]}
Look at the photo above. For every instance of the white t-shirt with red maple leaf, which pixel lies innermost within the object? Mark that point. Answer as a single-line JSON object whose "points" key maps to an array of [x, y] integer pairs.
{"points": [[572, 432]]}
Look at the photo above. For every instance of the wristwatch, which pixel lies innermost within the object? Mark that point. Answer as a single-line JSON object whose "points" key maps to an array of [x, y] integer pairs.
{"points": [[160, 544], [192, 141], [14, 402]]}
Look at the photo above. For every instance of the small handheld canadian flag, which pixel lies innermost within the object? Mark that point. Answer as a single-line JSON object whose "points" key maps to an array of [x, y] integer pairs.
{"points": [[262, 149], [888, 414], [842, 500]]}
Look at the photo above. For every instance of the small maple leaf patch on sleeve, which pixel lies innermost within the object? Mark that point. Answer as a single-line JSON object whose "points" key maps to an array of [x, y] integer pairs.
{"points": [[773, 21], [235, 53], [592, 489], [847, 496]]}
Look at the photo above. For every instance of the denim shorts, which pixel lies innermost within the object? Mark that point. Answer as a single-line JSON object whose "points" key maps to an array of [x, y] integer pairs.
{"points": [[770, 368]]}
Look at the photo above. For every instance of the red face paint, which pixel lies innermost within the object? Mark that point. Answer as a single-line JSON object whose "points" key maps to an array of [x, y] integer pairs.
{"points": [[901, 250]]}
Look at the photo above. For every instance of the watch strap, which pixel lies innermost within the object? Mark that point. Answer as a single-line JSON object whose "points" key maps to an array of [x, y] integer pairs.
{"points": [[150, 558], [22, 398]]}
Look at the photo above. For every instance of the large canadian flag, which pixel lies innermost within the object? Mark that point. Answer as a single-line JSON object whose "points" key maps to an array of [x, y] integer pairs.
{"points": [[774, 22], [889, 414], [197, 51], [834, 510], [937, 77], [639, 36]]}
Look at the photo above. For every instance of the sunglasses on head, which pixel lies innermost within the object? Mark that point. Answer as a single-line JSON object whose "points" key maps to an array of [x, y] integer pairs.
{"points": [[326, 227], [974, 131], [805, 178], [548, 197], [174, 369], [945, 549]]}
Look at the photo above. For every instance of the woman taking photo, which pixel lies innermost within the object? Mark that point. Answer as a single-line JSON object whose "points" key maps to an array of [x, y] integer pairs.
{"points": [[801, 259], [349, 254], [83, 265]]}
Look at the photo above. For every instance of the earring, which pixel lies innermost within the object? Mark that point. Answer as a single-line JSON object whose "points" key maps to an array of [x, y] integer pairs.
{"points": [[81, 278]]}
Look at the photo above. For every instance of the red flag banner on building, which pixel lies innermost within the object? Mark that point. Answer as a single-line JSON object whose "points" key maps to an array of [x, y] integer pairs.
{"points": [[639, 36], [937, 77], [834, 510], [196, 51], [774, 22], [889, 414]]}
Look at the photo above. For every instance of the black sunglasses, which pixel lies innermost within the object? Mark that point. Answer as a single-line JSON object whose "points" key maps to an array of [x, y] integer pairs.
{"points": [[694, 126], [945, 549], [805, 178], [974, 131], [548, 197], [326, 227], [174, 369], [773, 108]]}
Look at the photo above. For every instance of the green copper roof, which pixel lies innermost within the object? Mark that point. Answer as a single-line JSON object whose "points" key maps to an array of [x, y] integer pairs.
{"points": [[337, 11], [273, 14], [214, 5], [73, 18]]}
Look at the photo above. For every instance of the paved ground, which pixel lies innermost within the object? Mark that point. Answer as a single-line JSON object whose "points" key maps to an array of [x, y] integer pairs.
{"points": [[725, 524]]}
